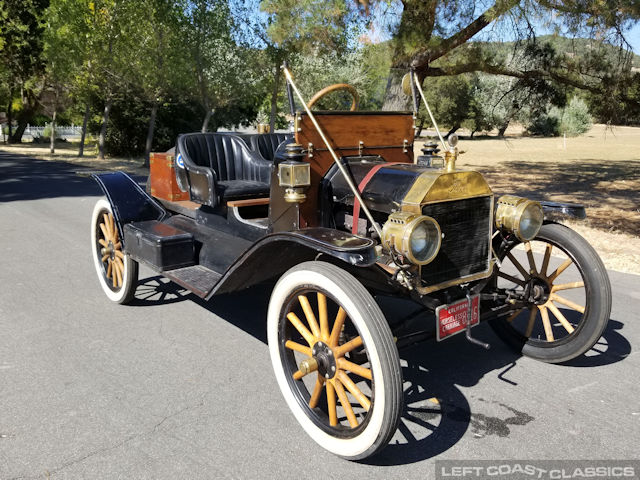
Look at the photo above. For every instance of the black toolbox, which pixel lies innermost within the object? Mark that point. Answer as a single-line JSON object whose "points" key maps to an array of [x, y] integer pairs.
{"points": [[161, 246]]}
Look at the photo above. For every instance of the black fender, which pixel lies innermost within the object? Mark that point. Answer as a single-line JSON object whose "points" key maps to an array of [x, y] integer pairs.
{"points": [[129, 202], [558, 211], [274, 254]]}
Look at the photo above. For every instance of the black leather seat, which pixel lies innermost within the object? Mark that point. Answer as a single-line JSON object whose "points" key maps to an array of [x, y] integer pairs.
{"points": [[265, 144], [220, 167]]}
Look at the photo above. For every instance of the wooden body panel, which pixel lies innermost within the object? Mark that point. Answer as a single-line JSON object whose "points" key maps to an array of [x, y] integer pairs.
{"points": [[389, 135], [163, 178]]}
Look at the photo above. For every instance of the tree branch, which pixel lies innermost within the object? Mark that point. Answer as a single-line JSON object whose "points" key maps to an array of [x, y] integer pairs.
{"points": [[501, 70], [422, 59]]}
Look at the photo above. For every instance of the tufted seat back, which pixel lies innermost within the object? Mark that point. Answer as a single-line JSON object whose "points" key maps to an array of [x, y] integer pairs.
{"points": [[227, 155], [268, 143], [265, 144]]}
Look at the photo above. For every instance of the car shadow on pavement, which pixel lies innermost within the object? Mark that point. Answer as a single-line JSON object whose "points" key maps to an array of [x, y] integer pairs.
{"points": [[437, 414], [159, 290], [611, 348]]}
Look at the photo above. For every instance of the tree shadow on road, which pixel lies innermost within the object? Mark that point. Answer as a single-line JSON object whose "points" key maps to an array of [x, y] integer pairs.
{"points": [[26, 178]]}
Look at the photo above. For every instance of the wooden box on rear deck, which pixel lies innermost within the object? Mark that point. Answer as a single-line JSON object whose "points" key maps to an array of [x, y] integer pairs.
{"points": [[163, 178]]}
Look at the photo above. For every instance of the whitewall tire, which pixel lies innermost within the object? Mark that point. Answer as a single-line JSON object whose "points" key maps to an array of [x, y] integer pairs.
{"points": [[335, 359], [117, 272]]}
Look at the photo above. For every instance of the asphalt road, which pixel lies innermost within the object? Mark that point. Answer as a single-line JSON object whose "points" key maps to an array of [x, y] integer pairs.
{"points": [[172, 387]]}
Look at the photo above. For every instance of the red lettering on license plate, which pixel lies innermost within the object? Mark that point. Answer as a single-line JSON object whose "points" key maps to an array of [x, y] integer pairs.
{"points": [[452, 319]]}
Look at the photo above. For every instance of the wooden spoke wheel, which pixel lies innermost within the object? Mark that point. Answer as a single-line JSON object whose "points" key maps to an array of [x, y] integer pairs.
{"points": [[335, 359], [117, 272], [562, 297]]}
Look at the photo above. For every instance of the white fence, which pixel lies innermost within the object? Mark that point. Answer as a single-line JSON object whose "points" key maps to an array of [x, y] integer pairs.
{"points": [[61, 131]]}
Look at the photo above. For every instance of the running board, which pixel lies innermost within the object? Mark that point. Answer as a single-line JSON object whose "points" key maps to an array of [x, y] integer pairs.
{"points": [[198, 279]]}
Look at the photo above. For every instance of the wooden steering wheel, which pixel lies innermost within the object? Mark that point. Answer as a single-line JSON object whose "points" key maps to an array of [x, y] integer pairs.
{"points": [[331, 88]]}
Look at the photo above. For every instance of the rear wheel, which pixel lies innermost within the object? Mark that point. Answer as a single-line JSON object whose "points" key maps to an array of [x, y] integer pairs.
{"points": [[335, 359], [563, 300], [117, 272]]}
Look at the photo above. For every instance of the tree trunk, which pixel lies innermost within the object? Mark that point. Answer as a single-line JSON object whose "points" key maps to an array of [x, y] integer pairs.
{"points": [[394, 97], [10, 113], [85, 120], [452, 131], [503, 127], [420, 128], [30, 105], [103, 128], [274, 100], [207, 117], [149, 143], [52, 140], [19, 131]]}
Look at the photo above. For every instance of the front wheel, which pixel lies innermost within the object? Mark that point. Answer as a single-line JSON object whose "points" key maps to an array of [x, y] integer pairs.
{"points": [[562, 299], [117, 271], [335, 359]]}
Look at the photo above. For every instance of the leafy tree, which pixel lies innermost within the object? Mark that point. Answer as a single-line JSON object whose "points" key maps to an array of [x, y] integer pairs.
{"points": [[289, 29], [433, 37], [112, 46], [481, 113], [72, 39], [63, 55], [214, 56], [21, 45], [621, 105], [450, 100], [162, 66]]}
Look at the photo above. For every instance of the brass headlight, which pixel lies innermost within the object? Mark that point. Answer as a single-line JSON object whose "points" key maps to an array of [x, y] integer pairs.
{"points": [[519, 216], [415, 237]]}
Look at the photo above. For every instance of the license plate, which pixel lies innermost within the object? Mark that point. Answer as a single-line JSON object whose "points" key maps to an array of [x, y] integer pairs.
{"points": [[452, 319]]}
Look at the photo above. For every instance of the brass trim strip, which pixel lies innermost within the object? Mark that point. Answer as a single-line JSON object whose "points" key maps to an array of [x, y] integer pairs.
{"points": [[365, 147], [457, 281]]}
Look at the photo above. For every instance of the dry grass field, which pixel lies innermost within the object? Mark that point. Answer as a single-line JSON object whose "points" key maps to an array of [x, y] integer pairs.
{"points": [[600, 170]]}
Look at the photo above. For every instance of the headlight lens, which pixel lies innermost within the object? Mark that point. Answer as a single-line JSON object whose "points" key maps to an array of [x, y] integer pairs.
{"points": [[416, 237], [531, 221], [424, 240], [519, 216]]}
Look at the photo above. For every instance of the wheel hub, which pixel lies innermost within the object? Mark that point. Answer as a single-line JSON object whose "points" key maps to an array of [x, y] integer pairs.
{"points": [[109, 250], [537, 291], [325, 358]]}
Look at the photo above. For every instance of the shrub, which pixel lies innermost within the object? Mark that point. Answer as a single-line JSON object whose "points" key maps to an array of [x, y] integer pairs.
{"points": [[545, 124], [575, 119], [46, 133]]}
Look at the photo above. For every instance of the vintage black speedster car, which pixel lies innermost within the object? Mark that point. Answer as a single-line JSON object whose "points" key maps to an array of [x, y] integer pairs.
{"points": [[343, 214]]}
